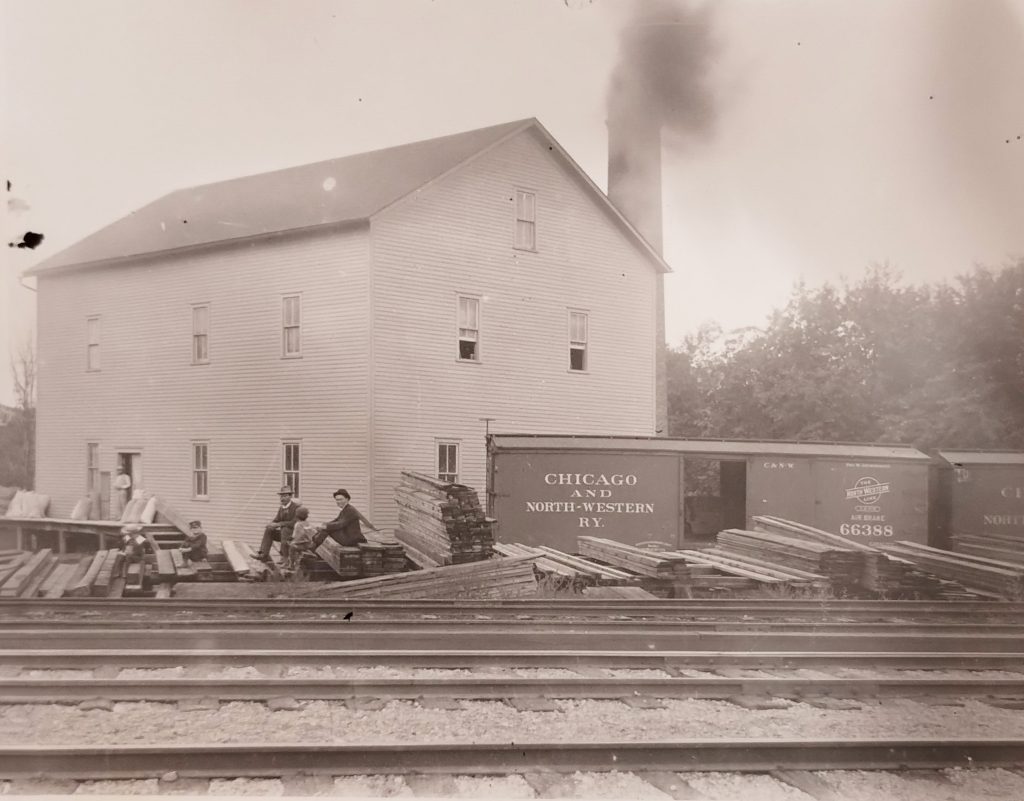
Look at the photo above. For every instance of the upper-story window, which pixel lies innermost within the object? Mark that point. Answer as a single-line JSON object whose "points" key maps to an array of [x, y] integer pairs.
{"points": [[92, 347], [469, 328], [291, 325], [448, 461], [526, 220], [578, 333], [201, 333]]}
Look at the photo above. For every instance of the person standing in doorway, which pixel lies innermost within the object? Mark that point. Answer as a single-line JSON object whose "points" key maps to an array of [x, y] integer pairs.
{"points": [[123, 491], [280, 528]]}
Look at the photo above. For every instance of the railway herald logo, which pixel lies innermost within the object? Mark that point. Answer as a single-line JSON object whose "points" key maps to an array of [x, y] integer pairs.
{"points": [[867, 490]]}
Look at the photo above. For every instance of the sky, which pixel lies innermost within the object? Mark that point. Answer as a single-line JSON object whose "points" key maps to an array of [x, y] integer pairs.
{"points": [[832, 135]]}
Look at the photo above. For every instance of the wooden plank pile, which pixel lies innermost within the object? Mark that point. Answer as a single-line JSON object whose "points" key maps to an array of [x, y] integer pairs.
{"points": [[993, 578], [750, 568], [493, 578], [556, 575], [441, 523], [881, 573], [28, 575], [844, 568], [364, 560], [657, 565], [1003, 547]]}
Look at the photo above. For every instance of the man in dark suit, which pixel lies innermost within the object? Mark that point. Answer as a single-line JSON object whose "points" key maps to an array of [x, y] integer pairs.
{"points": [[280, 528], [344, 529]]}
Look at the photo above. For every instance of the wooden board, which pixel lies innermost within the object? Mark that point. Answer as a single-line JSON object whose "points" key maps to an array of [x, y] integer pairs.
{"points": [[83, 587], [21, 577]]}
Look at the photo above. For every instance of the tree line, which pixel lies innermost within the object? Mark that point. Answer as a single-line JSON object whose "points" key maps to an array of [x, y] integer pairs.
{"points": [[876, 360], [18, 424]]}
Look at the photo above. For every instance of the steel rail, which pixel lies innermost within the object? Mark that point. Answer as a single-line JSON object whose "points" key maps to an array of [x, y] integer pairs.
{"points": [[89, 659], [555, 606], [45, 691], [512, 627], [276, 760], [499, 637]]}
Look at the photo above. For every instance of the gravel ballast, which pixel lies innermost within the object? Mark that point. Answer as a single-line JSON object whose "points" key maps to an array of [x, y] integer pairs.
{"points": [[492, 721]]}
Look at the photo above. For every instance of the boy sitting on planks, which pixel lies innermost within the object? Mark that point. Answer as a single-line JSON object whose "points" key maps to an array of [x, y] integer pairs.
{"points": [[302, 538], [194, 549], [133, 543]]}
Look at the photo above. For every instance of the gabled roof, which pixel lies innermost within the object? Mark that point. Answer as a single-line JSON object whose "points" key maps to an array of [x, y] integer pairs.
{"points": [[350, 189]]}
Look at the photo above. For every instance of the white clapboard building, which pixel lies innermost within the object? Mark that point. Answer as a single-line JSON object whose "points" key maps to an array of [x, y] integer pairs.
{"points": [[333, 324]]}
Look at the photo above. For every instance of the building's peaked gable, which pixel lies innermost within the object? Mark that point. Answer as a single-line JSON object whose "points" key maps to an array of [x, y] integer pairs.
{"points": [[586, 184], [347, 189]]}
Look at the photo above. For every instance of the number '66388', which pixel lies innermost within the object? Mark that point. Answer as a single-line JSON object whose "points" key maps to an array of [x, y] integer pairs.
{"points": [[865, 530]]}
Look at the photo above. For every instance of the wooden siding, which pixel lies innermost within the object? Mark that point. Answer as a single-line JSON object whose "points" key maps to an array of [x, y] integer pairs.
{"points": [[456, 236], [148, 395]]}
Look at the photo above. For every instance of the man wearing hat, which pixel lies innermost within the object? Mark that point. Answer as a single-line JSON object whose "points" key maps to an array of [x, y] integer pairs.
{"points": [[344, 529], [280, 528]]}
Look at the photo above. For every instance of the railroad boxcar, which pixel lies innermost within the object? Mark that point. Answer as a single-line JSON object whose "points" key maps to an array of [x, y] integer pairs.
{"points": [[547, 490], [977, 492]]}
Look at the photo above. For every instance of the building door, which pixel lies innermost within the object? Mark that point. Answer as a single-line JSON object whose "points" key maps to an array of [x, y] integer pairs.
{"points": [[131, 461]]}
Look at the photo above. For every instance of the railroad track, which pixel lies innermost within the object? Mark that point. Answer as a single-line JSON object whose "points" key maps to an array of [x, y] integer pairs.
{"points": [[502, 637], [277, 760], [625, 688], [164, 609], [273, 636]]}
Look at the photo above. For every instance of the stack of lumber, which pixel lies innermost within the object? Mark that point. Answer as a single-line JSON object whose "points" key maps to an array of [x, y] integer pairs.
{"points": [[372, 558], [441, 523], [494, 578], [844, 568], [653, 564], [1004, 547], [556, 574], [980, 575], [605, 575], [394, 557], [364, 560], [733, 564], [23, 576], [880, 573]]}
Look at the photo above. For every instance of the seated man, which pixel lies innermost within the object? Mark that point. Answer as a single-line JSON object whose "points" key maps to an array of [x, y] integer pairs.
{"points": [[344, 529], [194, 549], [280, 528]]}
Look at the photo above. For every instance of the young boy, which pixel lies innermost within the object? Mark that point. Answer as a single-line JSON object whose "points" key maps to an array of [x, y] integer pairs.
{"points": [[133, 543], [302, 538], [194, 549]]}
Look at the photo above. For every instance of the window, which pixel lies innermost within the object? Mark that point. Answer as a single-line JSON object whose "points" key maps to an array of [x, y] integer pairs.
{"points": [[92, 357], [290, 460], [92, 466], [200, 470], [526, 220], [469, 329], [448, 461], [201, 334], [577, 340], [291, 314]]}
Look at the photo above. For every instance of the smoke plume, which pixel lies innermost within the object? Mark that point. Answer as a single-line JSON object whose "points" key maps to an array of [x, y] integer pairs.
{"points": [[660, 80]]}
